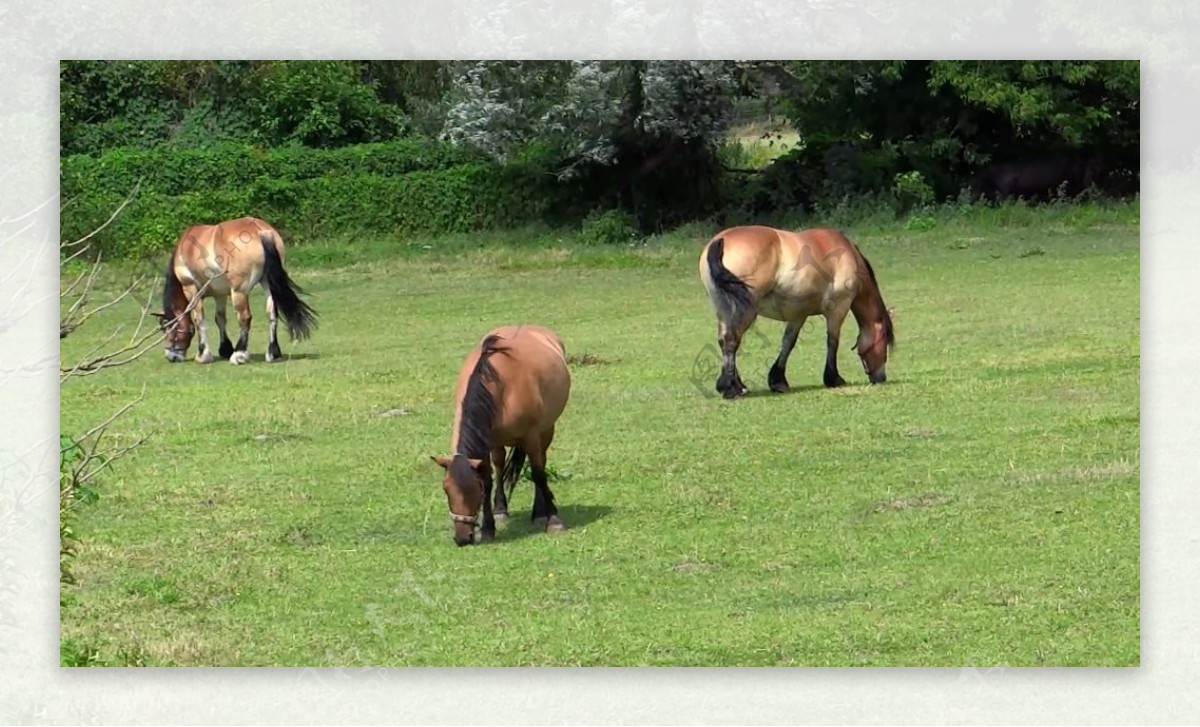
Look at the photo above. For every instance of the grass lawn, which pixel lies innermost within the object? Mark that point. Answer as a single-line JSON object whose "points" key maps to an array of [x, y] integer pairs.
{"points": [[980, 508]]}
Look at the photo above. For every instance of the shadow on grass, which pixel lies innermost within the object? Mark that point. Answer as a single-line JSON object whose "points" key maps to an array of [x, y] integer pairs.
{"points": [[756, 393], [262, 357], [575, 516], [849, 385]]}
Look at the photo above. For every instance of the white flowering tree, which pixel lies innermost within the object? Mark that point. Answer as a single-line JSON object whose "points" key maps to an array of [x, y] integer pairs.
{"points": [[641, 125]]}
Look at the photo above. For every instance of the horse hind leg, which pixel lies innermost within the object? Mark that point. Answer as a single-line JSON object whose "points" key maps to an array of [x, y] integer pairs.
{"points": [[545, 511], [241, 304], [273, 351], [729, 335]]}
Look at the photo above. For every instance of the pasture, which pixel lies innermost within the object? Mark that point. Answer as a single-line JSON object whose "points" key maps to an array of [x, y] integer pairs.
{"points": [[980, 508]]}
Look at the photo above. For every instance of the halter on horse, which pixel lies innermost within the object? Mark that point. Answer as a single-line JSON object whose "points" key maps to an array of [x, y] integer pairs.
{"points": [[512, 389]]}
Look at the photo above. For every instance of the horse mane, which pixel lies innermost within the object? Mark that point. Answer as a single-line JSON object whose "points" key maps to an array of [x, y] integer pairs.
{"points": [[172, 289], [478, 406], [888, 331]]}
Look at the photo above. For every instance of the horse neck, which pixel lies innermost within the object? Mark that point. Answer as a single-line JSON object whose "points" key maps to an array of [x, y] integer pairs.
{"points": [[867, 306], [473, 421]]}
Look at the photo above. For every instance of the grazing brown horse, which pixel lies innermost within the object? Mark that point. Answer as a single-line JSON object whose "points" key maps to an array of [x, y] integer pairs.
{"points": [[511, 391], [789, 276], [223, 262]]}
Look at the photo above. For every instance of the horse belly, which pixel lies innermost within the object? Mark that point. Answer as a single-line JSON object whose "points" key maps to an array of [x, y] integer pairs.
{"points": [[211, 280], [784, 305]]}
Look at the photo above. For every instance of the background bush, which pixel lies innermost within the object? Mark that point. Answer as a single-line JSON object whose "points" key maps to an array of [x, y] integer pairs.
{"points": [[400, 187], [395, 147]]}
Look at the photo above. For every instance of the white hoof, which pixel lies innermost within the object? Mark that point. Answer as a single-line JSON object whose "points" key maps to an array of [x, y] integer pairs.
{"points": [[271, 358], [239, 357], [205, 357]]}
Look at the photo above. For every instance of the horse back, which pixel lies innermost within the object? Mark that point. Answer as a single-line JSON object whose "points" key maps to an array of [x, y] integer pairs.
{"points": [[534, 378], [226, 256], [790, 273]]}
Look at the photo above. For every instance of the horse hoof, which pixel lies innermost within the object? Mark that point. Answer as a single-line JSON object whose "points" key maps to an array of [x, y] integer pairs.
{"points": [[226, 349], [780, 387], [555, 525], [501, 517], [239, 357], [835, 383], [205, 358], [487, 536], [734, 393]]}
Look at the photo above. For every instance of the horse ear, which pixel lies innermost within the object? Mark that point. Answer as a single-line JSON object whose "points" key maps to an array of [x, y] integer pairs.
{"points": [[892, 313], [476, 464], [442, 461]]}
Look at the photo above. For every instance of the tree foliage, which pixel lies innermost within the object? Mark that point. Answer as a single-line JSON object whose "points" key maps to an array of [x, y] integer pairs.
{"points": [[646, 131], [642, 137], [946, 119]]}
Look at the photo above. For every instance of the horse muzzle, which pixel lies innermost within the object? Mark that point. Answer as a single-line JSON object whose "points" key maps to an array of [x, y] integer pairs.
{"points": [[175, 355], [878, 378]]}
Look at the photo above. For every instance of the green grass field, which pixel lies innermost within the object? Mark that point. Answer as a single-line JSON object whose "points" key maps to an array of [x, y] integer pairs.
{"points": [[981, 508]]}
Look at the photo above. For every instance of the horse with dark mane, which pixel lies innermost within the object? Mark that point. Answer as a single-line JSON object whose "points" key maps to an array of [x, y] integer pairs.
{"points": [[789, 276], [225, 262], [512, 389]]}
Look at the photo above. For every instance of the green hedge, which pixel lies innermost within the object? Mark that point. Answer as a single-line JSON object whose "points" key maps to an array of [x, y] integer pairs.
{"points": [[172, 171], [394, 188]]}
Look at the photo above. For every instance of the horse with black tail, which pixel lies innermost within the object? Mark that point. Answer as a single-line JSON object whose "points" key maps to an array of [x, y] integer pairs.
{"points": [[225, 262], [512, 389], [789, 276]]}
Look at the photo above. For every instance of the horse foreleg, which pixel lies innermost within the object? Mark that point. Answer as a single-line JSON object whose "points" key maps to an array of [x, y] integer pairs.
{"points": [[545, 512], [833, 331], [226, 349], [487, 530], [777, 377], [729, 383], [241, 305], [204, 353], [500, 509], [273, 352]]}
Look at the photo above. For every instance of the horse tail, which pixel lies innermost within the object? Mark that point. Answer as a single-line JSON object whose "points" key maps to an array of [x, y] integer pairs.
{"points": [[301, 319], [512, 470], [730, 294]]}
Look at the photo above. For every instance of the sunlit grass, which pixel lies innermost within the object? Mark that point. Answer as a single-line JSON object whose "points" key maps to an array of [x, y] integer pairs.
{"points": [[981, 508]]}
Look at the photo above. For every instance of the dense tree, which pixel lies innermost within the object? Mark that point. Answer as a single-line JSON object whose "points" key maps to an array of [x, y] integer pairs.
{"points": [[644, 137], [646, 131], [945, 119]]}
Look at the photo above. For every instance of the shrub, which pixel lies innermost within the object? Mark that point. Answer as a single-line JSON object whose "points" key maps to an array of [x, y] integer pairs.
{"points": [[393, 188], [614, 227]]}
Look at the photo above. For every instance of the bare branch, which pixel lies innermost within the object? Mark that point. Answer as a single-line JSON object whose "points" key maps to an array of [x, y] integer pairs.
{"points": [[138, 345], [93, 233], [93, 459]]}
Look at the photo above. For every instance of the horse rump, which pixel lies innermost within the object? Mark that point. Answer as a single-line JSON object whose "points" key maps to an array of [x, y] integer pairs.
{"points": [[730, 294]]}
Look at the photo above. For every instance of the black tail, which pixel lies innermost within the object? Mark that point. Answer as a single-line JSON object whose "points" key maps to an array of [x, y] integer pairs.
{"points": [[512, 470], [301, 319], [732, 296]]}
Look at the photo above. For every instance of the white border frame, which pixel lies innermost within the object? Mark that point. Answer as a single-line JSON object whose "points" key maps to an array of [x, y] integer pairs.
{"points": [[1160, 33]]}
